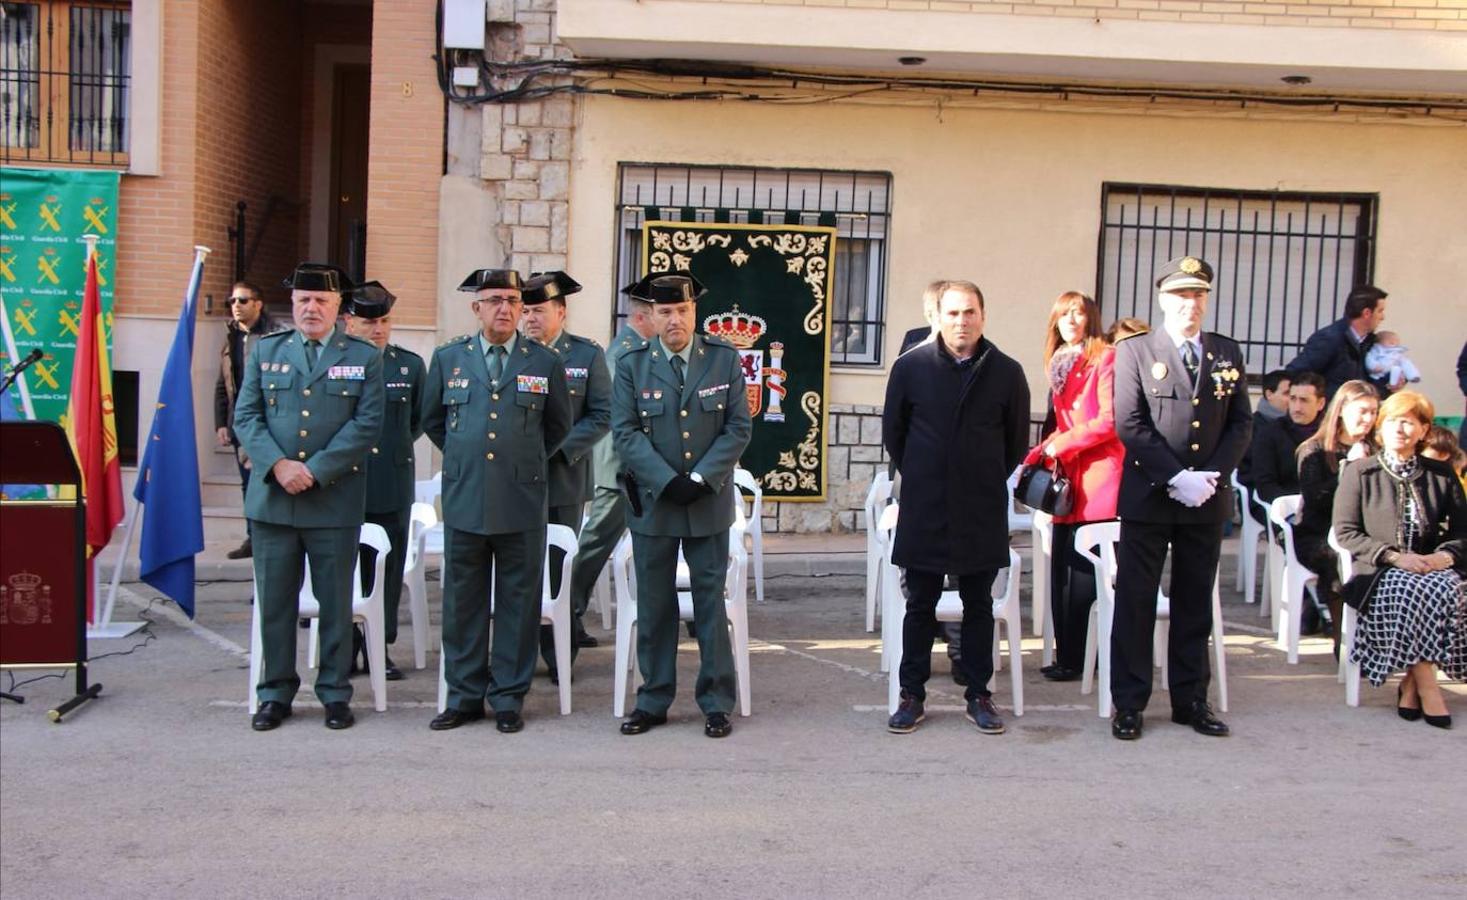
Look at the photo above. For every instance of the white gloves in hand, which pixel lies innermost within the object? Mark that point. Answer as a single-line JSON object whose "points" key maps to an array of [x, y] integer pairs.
{"points": [[1191, 488]]}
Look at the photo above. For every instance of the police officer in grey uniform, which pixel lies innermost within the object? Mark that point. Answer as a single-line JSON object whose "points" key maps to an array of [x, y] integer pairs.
{"points": [[590, 395], [606, 518], [390, 462], [496, 403], [309, 410], [680, 421], [1182, 412]]}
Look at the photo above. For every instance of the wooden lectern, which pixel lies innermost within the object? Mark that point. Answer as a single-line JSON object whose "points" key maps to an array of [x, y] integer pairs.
{"points": [[43, 586]]}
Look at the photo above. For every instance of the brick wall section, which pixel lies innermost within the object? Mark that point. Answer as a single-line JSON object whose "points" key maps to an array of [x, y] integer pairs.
{"points": [[1414, 14], [154, 226], [248, 145], [527, 146], [406, 158]]}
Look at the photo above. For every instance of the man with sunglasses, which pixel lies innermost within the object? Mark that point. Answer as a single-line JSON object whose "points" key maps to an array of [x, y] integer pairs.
{"points": [[247, 323]]}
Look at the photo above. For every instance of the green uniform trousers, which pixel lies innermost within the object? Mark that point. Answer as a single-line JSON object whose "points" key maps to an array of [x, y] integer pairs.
{"points": [[517, 560], [605, 523], [655, 559], [569, 516], [280, 553], [396, 526]]}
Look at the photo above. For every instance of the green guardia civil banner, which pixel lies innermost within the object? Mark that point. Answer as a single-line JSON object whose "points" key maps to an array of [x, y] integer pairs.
{"points": [[769, 289], [44, 214]]}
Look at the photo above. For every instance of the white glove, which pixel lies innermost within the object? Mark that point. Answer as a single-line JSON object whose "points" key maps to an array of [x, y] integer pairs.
{"points": [[1191, 488]]}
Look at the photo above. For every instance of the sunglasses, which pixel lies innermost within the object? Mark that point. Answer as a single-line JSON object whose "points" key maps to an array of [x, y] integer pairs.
{"points": [[242, 299]]}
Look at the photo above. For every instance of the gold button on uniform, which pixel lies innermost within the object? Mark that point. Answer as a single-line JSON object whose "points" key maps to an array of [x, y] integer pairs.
{"points": [[687, 455], [495, 397], [306, 392], [304, 432], [494, 415], [1195, 401], [686, 435], [306, 413], [684, 414], [375, 450], [1195, 448], [491, 435], [301, 455], [488, 455]]}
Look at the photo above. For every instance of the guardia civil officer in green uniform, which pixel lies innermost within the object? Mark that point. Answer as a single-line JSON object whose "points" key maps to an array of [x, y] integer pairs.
{"points": [[680, 421], [590, 395], [606, 518], [308, 413], [390, 461], [497, 405]]}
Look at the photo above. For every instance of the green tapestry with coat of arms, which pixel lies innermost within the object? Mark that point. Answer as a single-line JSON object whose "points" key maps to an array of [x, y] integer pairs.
{"points": [[769, 290]]}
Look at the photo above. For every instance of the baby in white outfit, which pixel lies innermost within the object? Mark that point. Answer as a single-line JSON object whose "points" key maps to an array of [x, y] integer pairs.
{"points": [[1386, 359]]}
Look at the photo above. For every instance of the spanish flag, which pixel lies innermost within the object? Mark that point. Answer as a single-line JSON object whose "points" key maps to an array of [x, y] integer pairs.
{"points": [[92, 428]]}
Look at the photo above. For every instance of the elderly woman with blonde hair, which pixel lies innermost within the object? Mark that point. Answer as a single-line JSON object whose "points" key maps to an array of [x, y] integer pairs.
{"points": [[1403, 518]]}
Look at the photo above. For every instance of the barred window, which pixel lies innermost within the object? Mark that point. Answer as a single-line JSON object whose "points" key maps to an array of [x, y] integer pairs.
{"points": [[1284, 261], [64, 81], [856, 203]]}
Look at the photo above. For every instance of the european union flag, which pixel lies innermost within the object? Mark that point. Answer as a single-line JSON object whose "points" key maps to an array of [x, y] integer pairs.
{"points": [[168, 479]]}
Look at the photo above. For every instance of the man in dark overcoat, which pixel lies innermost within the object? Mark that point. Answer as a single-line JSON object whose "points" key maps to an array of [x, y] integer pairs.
{"points": [[1337, 351], [1182, 413], [955, 423]]}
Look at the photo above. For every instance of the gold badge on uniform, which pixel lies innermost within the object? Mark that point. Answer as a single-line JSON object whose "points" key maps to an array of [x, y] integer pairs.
{"points": [[1158, 370], [1190, 265], [285, 367]]}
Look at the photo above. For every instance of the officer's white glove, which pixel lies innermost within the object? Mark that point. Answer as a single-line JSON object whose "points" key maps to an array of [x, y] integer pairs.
{"points": [[1191, 488]]}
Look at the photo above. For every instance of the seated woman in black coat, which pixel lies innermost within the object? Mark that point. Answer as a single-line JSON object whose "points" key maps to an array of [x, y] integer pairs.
{"points": [[1403, 518], [1345, 433]]}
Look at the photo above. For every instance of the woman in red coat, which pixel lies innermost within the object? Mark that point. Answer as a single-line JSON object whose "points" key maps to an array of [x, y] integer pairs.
{"points": [[1081, 369]]}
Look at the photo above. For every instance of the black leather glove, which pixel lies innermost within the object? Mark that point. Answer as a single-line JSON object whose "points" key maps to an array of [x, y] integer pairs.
{"points": [[683, 491]]}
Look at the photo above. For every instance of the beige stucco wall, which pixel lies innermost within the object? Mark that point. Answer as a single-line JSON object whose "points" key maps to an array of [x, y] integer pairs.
{"points": [[1010, 198]]}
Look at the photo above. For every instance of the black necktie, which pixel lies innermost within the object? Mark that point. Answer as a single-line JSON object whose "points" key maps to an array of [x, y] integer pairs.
{"points": [[1189, 359], [679, 369], [313, 352]]}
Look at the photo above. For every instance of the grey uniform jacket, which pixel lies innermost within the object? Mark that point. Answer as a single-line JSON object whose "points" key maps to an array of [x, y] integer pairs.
{"points": [[496, 443], [589, 382], [327, 417], [661, 435]]}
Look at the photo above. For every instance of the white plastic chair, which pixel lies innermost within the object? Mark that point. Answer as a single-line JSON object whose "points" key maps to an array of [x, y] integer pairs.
{"points": [[1252, 533], [1273, 563], [1097, 543], [1290, 575], [367, 610], [876, 499], [429, 492], [745, 481], [1041, 609], [893, 603], [414, 580], [736, 605], [555, 611], [1021, 518], [1347, 672]]}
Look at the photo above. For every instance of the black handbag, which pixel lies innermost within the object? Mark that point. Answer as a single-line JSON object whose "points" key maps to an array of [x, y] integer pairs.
{"points": [[1043, 489]]}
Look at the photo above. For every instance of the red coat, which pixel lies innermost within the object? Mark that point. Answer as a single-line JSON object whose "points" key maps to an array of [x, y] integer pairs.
{"points": [[1085, 439]]}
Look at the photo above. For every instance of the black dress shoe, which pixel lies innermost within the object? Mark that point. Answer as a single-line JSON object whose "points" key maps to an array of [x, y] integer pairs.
{"points": [[1062, 673], [269, 716], [453, 718], [339, 716], [1199, 716], [508, 721], [641, 721], [1126, 726], [585, 640], [391, 671], [717, 726], [243, 551]]}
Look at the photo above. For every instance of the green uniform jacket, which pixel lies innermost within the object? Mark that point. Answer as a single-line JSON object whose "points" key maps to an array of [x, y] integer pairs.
{"points": [[659, 436], [590, 397], [496, 444], [605, 463], [327, 417], [390, 462]]}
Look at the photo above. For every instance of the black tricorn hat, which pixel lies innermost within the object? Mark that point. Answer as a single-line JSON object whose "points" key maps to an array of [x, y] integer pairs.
{"points": [[661, 287], [1184, 273], [370, 300], [318, 277], [543, 286], [492, 279]]}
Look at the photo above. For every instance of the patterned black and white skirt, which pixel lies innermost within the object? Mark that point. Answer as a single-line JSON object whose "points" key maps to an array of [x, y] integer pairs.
{"points": [[1413, 618]]}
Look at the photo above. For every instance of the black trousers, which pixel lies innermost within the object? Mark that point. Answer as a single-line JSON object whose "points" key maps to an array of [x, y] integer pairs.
{"points": [[919, 627], [1072, 593], [1139, 558]]}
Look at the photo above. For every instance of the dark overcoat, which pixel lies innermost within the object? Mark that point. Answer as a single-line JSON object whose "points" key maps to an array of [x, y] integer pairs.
{"points": [[954, 435]]}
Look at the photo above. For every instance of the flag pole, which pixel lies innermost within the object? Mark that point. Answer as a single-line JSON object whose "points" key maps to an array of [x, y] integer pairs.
{"points": [[20, 380], [104, 627]]}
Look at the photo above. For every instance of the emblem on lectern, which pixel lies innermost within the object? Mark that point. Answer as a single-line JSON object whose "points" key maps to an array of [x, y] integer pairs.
{"points": [[25, 600]]}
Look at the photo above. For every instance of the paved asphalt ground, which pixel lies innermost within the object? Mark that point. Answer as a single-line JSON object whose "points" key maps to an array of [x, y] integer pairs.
{"points": [[160, 789]]}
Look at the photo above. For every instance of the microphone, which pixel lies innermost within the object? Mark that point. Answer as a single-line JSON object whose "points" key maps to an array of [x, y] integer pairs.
{"points": [[32, 357]]}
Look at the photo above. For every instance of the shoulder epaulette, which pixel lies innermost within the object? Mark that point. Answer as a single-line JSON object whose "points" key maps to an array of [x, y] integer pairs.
{"points": [[401, 349], [459, 339], [582, 340], [716, 341], [353, 337], [635, 347], [275, 335]]}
